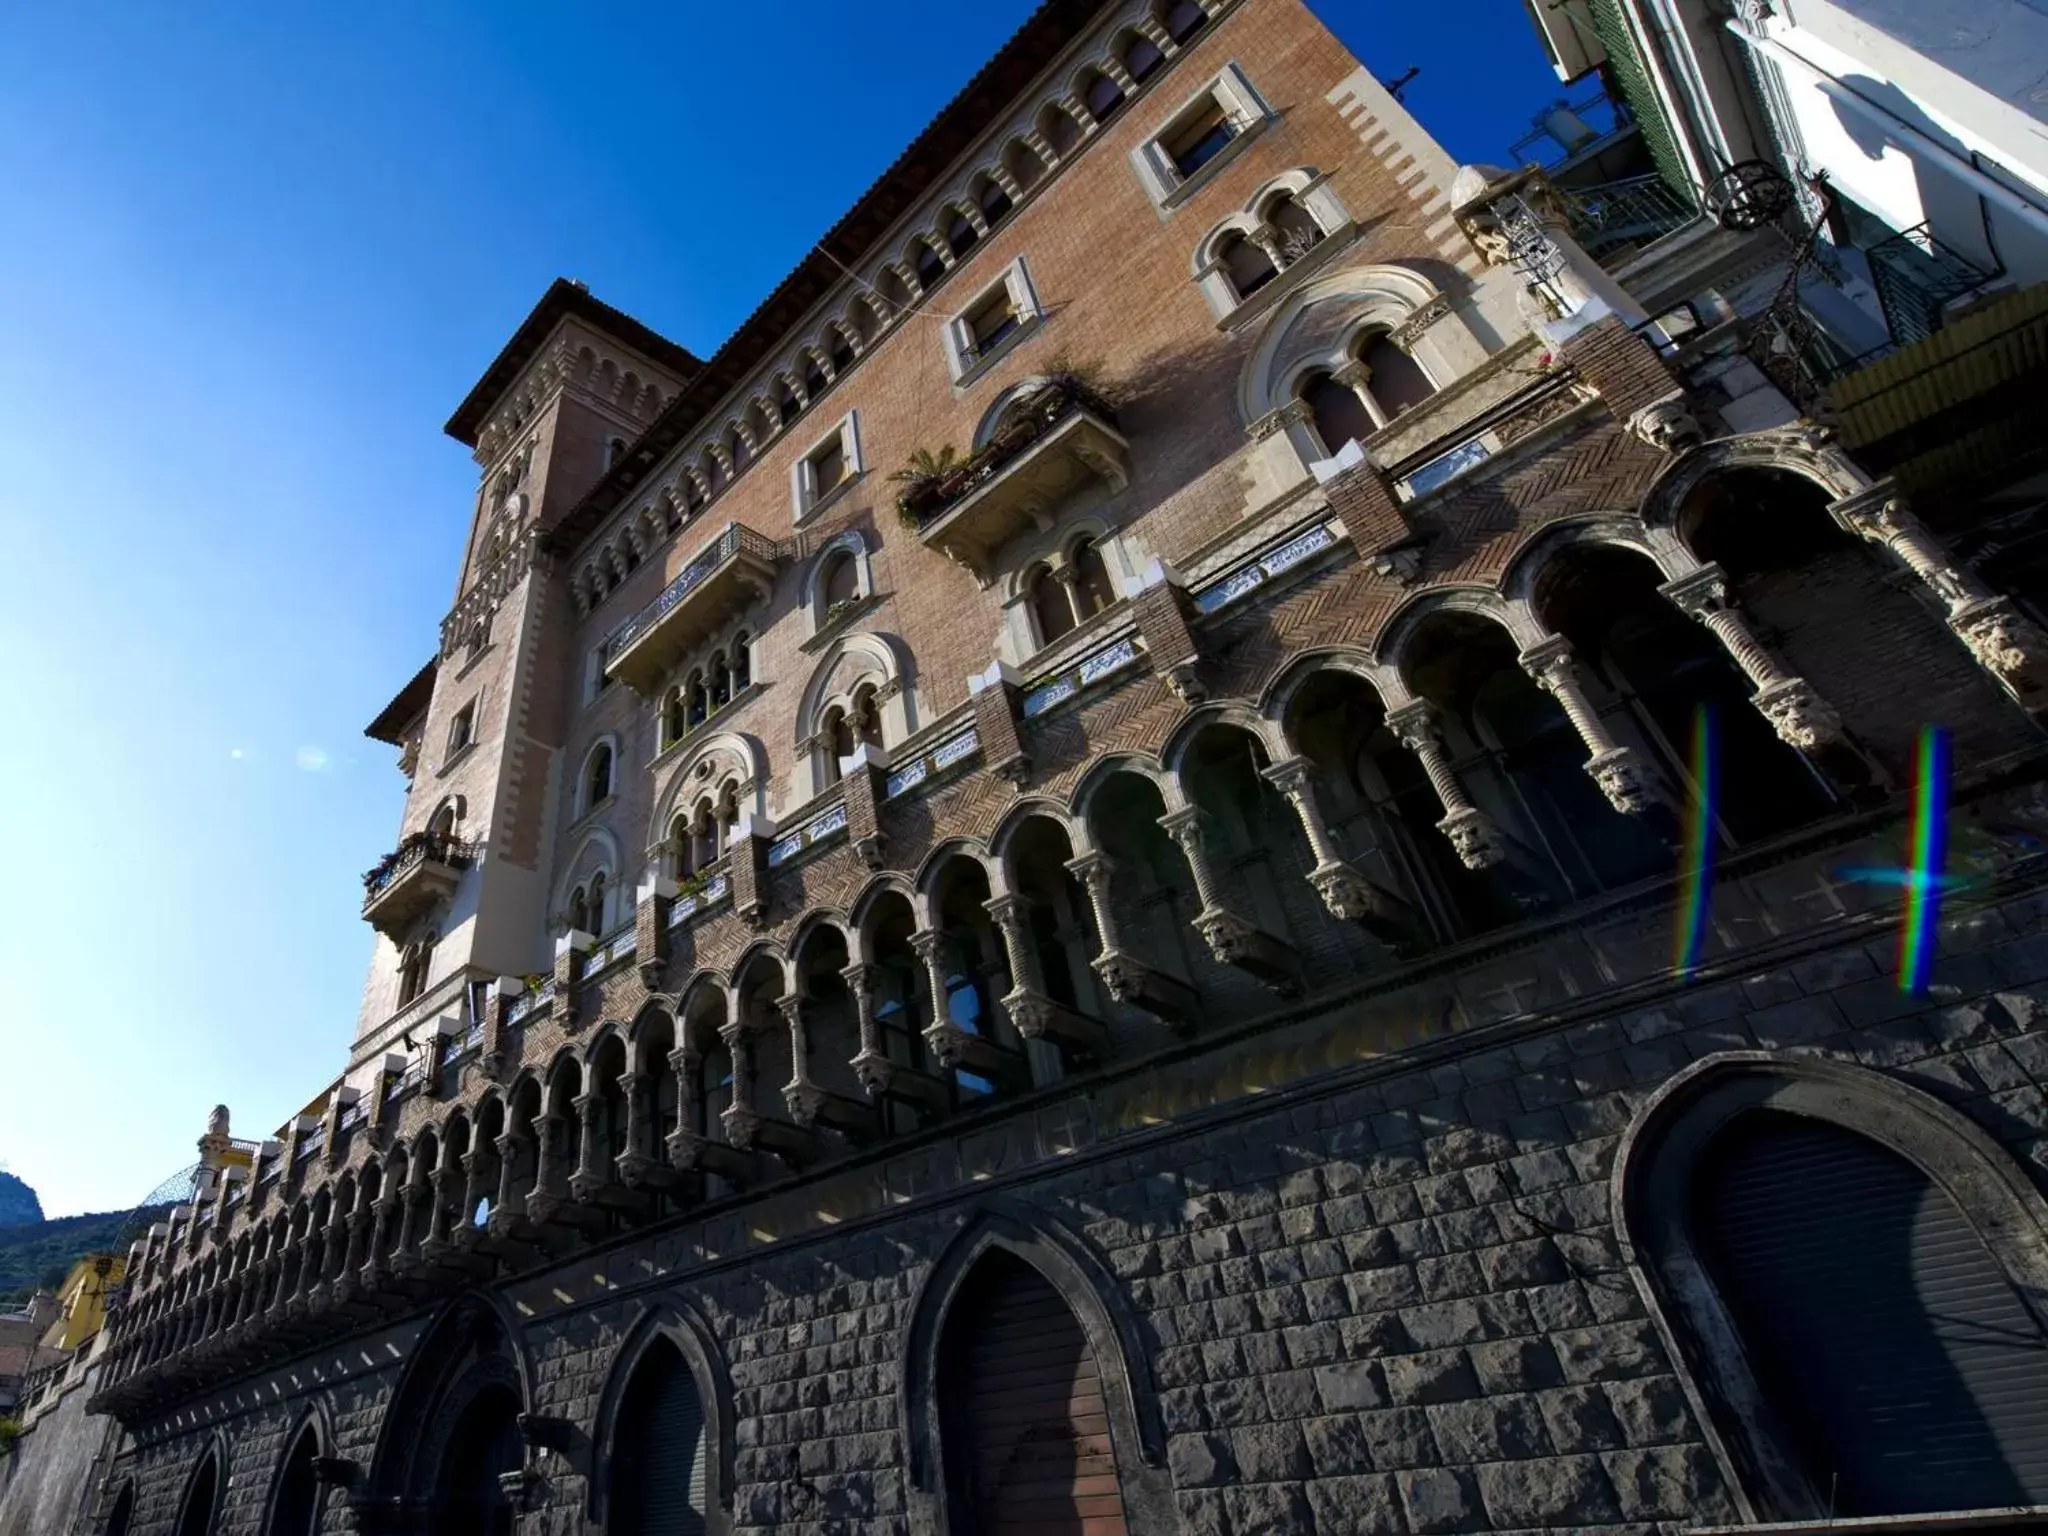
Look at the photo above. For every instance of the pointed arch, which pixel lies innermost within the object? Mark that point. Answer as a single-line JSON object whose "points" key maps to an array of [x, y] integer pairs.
{"points": [[199, 1503], [1090, 1291], [1672, 1140], [669, 1320], [475, 1346], [296, 1494]]}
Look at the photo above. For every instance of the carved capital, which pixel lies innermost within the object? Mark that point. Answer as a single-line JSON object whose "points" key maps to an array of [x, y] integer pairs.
{"points": [[877, 1073], [1551, 664], [742, 1127], [1184, 826], [1346, 894], [1878, 513], [804, 1098], [1400, 566], [1184, 678], [1409, 331], [2007, 644], [1414, 724], [1699, 593]]}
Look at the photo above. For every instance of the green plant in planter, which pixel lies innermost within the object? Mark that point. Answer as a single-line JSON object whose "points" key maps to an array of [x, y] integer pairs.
{"points": [[920, 477]]}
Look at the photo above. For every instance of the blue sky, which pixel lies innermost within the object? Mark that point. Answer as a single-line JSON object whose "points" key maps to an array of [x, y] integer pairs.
{"points": [[250, 259]]}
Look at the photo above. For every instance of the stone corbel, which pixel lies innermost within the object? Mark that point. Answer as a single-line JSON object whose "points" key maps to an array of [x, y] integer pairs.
{"points": [[1667, 425]]}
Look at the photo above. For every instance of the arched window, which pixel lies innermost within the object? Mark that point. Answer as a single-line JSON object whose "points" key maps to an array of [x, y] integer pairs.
{"points": [[442, 827], [1296, 227], [614, 451], [693, 493], [1395, 379], [785, 404], [597, 777], [672, 719], [929, 267], [202, 1499], [960, 234], [736, 447], [1183, 19], [1902, 1369], [835, 740], [1142, 57], [1050, 609], [483, 1446], [721, 682], [1091, 588], [597, 902], [1340, 415], [697, 699], [660, 1471], [414, 962], [742, 661], [579, 911], [1246, 264], [295, 1507], [839, 586], [1104, 97], [995, 202], [815, 382], [124, 1511], [1025, 1424], [840, 350], [1023, 164]]}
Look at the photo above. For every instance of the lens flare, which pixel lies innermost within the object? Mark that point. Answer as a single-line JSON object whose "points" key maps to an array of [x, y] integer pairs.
{"points": [[1927, 862], [1696, 856]]}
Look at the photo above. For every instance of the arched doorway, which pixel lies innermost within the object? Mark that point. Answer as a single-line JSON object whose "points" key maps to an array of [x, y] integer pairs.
{"points": [[202, 1499], [1901, 1370], [660, 1472], [1025, 1425], [295, 1506], [482, 1447]]}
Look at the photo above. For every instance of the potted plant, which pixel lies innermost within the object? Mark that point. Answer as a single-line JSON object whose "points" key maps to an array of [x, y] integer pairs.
{"points": [[924, 479]]}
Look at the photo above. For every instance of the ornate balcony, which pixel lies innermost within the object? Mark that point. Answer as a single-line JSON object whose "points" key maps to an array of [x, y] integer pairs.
{"points": [[1048, 446], [411, 878], [730, 572]]}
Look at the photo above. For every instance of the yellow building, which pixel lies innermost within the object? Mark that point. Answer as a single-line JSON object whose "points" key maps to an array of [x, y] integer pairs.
{"points": [[82, 1299]]}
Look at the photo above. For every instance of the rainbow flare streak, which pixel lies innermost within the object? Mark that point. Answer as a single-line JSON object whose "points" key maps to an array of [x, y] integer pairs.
{"points": [[1696, 860], [1927, 861]]}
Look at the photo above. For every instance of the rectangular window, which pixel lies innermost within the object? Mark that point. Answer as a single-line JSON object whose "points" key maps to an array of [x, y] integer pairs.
{"points": [[462, 729], [992, 323], [1193, 143], [1205, 133], [833, 463]]}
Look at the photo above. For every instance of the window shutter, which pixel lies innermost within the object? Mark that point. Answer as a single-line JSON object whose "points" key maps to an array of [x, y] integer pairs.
{"points": [[1034, 1431], [1878, 1324], [660, 1473]]}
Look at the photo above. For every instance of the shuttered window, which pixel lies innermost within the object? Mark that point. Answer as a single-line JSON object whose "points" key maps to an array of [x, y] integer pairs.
{"points": [[1885, 1335], [1028, 1448], [659, 1467]]}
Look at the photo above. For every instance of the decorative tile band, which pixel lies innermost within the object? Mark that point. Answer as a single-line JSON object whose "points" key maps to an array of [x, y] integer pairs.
{"points": [[1448, 466], [954, 749], [1091, 670], [808, 836], [527, 1001], [686, 907], [1248, 578]]}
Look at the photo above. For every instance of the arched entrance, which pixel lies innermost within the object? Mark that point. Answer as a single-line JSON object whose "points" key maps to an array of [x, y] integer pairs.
{"points": [[202, 1499], [483, 1445], [660, 1473], [295, 1507], [1902, 1367], [1023, 1419], [453, 1428]]}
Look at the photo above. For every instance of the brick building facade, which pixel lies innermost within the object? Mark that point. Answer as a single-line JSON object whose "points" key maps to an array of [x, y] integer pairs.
{"points": [[1123, 976]]}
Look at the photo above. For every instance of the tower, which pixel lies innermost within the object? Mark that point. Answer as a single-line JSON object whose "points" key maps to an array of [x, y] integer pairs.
{"points": [[460, 898]]}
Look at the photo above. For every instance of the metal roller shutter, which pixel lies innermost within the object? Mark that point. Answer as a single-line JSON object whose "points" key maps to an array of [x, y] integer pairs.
{"points": [[1880, 1326], [659, 1470], [1036, 1428]]}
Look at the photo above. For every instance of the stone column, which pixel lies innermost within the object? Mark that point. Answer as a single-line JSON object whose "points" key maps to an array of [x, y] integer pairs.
{"points": [[590, 1157], [1357, 378], [1010, 916], [872, 1064], [1231, 939], [444, 1194], [1347, 895], [547, 1132], [2007, 644], [1471, 831], [634, 1088], [475, 1165], [940, 1033], [799, 1093], [1628, 783], [1800, 716], [511, 1147], [740, 1116]]}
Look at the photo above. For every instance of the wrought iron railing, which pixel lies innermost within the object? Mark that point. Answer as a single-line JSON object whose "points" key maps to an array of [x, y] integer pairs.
{"points": [[1916, 278], [415, 850], [728, 546], [1626, 213], [924, 501]]}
